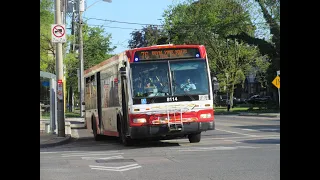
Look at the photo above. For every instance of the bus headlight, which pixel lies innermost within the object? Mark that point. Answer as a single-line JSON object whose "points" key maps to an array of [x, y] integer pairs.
{"points": [[207, 115], [139, 120]]}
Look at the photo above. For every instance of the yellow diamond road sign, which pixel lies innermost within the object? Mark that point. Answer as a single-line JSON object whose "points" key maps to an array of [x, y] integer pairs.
{"points": [[276, 82]]}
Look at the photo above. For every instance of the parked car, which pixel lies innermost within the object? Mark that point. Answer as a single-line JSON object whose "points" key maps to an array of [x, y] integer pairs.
{"points": [[223, 100], [257, 99]]}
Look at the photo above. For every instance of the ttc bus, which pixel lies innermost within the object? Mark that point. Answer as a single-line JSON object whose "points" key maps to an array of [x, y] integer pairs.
{"points": [[155, 92]]}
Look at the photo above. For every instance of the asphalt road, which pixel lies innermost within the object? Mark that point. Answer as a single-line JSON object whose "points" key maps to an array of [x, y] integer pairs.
{"points": [[245, 148]]}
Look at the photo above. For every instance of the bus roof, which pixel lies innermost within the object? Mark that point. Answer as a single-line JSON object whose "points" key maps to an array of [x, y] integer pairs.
{"points": [[101, 65]]}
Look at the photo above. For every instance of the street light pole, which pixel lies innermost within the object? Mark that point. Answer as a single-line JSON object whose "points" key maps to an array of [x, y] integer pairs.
{"points": [[59, 76]]}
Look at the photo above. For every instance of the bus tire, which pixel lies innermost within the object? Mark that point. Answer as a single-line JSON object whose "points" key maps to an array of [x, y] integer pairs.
{"points": [[126, 141], [96, 136], [194, 138]]}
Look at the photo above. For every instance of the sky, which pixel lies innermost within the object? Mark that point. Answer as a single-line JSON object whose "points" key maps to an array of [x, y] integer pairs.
{"points": [[136, 11]]}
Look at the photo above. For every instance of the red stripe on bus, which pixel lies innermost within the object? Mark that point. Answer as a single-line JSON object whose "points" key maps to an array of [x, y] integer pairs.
{"points": [[111, 133]]}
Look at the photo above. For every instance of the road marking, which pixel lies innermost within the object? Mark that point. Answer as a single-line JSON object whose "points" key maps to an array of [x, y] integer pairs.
{"points": [[217, 148], [232, 123], [52, 152], [232, 141], [86, 154], [111, 157], [249, 129], [237, 133], [120, 168], [268, 129], [48, 152], [90, 154], [255, 137]]}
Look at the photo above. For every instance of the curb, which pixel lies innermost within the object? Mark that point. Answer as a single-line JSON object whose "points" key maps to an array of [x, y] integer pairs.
{"points": [[62, 141], [261, 115]]}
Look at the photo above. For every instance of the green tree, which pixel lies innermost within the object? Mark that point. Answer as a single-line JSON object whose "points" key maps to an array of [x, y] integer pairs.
{"points": [[238, 61], [147, 36], [270, 10], [96, 46], [47, 49], [210, 22], [71, 65], [195, 22]]}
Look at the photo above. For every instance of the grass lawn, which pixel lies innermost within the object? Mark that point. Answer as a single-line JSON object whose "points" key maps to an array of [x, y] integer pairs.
{"points": [[75, 114]]}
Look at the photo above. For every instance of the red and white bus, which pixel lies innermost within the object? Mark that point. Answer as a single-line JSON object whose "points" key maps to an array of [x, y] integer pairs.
{"points": [[161, 92]]}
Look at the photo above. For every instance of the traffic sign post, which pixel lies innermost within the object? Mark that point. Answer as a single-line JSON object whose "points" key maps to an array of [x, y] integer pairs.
{"points": [[58, 33], [60, 92], [276, 83]]}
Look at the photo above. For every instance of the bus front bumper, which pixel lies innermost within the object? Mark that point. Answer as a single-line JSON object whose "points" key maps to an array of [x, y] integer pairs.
{"points": [[163, 131]]}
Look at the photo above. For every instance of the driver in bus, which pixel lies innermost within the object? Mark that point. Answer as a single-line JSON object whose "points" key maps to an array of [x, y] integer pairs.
{"points": [[188, 85], [150, 88]]}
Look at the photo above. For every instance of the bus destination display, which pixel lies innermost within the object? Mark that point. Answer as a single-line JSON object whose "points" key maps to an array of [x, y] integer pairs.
{"points": [[167, 54]]}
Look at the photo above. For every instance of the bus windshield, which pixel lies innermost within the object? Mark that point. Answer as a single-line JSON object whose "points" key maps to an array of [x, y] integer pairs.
{"points": [[188, 77]]}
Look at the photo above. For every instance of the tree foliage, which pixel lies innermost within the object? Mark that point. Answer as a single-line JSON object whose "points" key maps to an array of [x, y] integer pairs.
{"points": [[211, 22], [96, 45], [147, 36], [270, 10], [194, 22], [47, 48]]}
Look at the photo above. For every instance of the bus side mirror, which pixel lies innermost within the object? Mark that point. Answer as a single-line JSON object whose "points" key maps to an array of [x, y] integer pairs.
{"points": [[123, 71]]}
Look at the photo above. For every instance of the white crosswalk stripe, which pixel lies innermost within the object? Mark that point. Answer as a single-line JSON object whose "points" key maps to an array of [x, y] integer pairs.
{"points": [[119, 168]]}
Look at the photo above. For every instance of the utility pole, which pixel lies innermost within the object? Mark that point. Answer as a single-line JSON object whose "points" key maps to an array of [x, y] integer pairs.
{"points": [[72, 50], [59, 77], [81, 9]]}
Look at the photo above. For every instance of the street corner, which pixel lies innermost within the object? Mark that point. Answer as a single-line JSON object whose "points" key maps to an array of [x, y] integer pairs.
{"points": [[53, 140]]}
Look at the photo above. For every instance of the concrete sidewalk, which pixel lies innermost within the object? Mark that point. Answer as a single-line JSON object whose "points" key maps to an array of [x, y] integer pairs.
{"points": [[50, 140]]}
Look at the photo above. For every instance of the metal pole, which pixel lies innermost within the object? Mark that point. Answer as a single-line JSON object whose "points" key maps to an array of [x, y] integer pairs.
{"points": [[278, 73], [52, 105], [81, 59], [279, 95], [59, 73]]}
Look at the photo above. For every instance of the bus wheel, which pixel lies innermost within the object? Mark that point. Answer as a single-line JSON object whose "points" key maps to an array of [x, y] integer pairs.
{"points": [[126, 141], [97, 137], [194, 138]]}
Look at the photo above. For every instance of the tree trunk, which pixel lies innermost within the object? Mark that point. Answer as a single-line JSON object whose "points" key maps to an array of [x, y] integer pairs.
{"points": [[231, 95], [70, 97]]}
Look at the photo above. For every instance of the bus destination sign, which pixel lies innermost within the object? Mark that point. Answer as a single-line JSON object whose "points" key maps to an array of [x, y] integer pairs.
{"points": [[173, 53]]}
